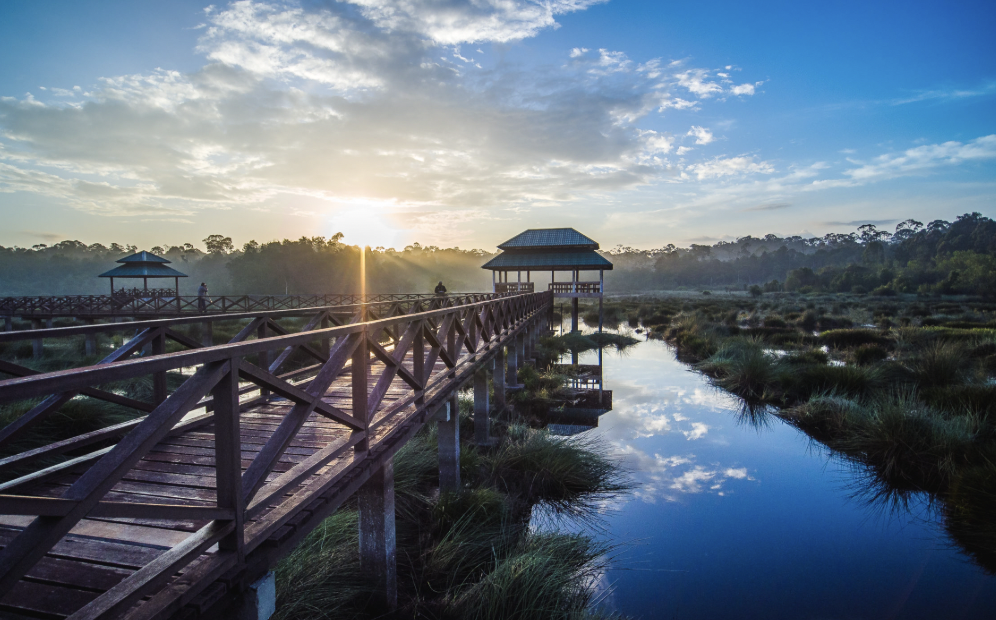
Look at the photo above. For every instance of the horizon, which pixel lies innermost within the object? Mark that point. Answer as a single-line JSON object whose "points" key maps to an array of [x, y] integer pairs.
{"points": [[454, 125]]}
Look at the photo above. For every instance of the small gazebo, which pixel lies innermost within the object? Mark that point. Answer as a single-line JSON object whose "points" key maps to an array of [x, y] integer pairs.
{"points": [[145, 265], [553, 250]]}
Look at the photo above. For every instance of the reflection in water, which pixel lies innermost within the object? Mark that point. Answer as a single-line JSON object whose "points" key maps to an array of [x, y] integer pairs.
{"points": [[738, 514]]}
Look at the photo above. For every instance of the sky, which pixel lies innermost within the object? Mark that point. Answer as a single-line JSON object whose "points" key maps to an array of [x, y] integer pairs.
{"points": [[461, 123]]}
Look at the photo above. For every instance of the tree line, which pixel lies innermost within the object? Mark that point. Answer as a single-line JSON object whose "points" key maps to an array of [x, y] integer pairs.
{"points": [[937, 258]]}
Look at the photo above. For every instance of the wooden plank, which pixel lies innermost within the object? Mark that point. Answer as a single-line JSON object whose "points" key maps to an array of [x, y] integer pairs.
{"points": [[46, 598], [153, 575], [22, 553]]}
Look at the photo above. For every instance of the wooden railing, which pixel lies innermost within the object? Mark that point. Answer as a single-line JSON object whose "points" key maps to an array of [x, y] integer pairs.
{"points": [[575, 287], [428, 352], [130, 305], [511, 288]]}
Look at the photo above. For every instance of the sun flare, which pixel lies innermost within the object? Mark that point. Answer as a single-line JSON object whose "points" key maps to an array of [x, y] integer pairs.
{"points": [[364, 227]]}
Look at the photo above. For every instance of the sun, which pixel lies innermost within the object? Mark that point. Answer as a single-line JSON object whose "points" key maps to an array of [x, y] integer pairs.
{"points": [[364, 227]]}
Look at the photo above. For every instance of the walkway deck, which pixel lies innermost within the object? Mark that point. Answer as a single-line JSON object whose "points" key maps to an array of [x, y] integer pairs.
{"points": [[166, 519]]}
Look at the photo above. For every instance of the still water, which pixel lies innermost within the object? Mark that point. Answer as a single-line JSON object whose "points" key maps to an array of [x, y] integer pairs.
{"points": [[729, 520]]}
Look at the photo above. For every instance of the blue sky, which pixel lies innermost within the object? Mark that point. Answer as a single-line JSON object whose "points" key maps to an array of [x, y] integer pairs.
{"points": [[461, 123]]}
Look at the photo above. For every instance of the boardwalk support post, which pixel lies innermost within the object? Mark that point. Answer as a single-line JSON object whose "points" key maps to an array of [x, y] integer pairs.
{"points": [[574, 314], [90, 341], [512, 373], [482, 419], [378, 551], [8, 323], [259, 602], [498, 379], [207, 335], [449, 446], [36, 344]]}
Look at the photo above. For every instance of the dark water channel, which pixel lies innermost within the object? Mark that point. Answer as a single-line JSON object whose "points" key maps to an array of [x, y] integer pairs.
{"points": [[732, 520]]}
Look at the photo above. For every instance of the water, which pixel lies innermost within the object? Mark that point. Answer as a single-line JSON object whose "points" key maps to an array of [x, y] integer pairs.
{"points": [[732, 521]]}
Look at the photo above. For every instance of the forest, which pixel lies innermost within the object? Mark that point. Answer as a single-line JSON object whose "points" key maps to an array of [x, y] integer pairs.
{"points": [[937, 258]]}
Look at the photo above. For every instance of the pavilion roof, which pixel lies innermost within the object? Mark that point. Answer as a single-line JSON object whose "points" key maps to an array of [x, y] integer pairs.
{"points": [[142, 257], [144, 270], [585, 260], [549, 239], [143, 265]]}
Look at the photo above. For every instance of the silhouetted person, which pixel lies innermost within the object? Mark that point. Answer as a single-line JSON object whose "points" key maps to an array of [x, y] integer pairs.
{"points": [[202, 294], [440, 289]]}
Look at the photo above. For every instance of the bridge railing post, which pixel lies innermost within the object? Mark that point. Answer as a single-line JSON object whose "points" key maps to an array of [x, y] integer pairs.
{"points": [[264, 358], [358, 383], [159, 390], [228, 457], [325, 347]]}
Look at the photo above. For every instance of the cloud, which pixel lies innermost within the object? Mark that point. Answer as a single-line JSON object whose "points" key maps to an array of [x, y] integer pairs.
{"points": [[339, 104], [854, 223], [698, 431], [697, 82], [702, 135], [44, 236], [947, 94], [450, 22], [925, 157], [729, 166], [774, 206], [578, 52]]}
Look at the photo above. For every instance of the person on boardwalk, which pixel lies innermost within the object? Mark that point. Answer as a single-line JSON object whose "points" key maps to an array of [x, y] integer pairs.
{"points": [[440, 289], [202, 295]]}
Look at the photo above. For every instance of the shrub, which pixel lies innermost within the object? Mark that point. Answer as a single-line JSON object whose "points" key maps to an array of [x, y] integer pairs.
{"points": [[869, 354], [939, 364], [846, 338], [742, 367]]}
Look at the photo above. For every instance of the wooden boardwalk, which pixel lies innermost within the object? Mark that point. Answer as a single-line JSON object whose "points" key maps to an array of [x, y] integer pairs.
{"points": [[107, 306], [172, 517]]}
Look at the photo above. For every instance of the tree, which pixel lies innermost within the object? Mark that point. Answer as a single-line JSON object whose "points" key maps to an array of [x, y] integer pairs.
{"points": [[218, 244]]}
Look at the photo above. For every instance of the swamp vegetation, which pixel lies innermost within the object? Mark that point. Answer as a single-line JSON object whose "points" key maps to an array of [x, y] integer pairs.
{"points": [[472, 553], [901, 386]]}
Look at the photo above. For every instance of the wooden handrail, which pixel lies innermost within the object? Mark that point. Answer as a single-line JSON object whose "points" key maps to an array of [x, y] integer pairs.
{"points": [[459, 333]]}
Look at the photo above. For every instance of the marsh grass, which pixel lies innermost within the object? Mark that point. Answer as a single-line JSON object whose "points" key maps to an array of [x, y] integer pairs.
{"points": [[471, 553], [741, 366], [571, 475]]}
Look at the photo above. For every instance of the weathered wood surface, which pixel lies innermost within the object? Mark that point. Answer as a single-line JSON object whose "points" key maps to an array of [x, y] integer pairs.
{"points": [[149, 525], [132, 305]]}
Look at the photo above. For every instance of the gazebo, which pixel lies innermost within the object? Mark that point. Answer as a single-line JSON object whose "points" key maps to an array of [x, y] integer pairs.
{"points": [[145, 265], [553, 250]]}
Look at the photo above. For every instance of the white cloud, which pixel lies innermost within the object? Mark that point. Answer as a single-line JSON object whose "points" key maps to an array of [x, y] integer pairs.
{"points": [[925, 157], [701, 134], [449, 22], [697, 82], [743, 89], [698, 431], [344, 106], [578, 51], [729, 166]]}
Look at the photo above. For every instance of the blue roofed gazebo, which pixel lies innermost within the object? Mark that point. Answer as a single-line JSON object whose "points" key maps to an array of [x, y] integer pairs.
{"points": [[553, 250], [144, 265]]}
